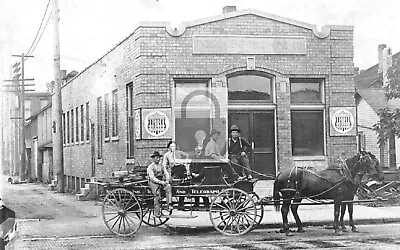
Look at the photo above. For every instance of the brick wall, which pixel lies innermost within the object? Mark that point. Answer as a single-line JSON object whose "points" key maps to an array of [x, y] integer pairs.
{"points": [[150, 58]]}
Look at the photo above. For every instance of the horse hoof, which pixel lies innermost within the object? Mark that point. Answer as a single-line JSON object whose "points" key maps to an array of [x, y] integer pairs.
{"points": [[338, 232], [283, 230], [344, 230], [289, 233], [354, 230], [300, 230]]}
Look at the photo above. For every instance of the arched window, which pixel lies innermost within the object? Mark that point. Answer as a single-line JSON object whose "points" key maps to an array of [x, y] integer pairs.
{"points": [[249, 87]]}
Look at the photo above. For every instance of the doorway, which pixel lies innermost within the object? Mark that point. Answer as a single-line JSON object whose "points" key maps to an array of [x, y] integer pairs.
{"points": [[258, 128]]}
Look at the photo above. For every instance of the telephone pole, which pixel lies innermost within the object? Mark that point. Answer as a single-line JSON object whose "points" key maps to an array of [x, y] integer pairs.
{"points": [[57, 138], [18, 86]]}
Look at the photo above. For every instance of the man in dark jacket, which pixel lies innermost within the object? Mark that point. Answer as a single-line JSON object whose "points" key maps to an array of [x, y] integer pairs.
{"points": [[238, 149]]}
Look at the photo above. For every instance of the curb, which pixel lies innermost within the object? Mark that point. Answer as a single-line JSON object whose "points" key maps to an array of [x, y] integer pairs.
{"points": [[187, 228]]}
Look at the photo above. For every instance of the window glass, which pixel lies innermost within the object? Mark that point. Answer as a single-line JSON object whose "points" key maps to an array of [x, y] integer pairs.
{"points": [[249, 88], [200, 106], [305, 90], [307, 133], [106, 116], [114, 113]]}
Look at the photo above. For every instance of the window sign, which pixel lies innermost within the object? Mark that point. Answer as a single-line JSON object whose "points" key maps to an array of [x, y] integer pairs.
{"points": [[200, 107]]}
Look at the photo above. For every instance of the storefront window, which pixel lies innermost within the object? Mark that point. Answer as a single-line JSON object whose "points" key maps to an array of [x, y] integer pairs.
{"points": [[307, 133], [306, 90], [199, 107], [249, 88]]}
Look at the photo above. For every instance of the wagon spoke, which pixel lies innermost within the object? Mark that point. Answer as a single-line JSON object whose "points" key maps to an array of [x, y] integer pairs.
{"points": [[128, 224], [129, 218], [119, 217], [112, 218], [123, 222], [226, 224], [135, 204], [119, 204], [111, 207], [109, 200], [248, 218], [127, 204], [119, 224], [220, 216]]}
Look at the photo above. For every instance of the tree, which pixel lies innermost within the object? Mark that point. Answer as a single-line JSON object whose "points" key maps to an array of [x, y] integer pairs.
{"points": [[389, 118]]}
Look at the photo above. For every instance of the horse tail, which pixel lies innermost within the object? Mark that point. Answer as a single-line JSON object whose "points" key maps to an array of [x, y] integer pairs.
{"points": [[276, 195]]}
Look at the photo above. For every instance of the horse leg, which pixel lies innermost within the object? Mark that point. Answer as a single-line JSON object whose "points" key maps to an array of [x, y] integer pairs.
{"points": [[342, 212], [336, 217], [296, 216], [351, 221], [284, 212]]}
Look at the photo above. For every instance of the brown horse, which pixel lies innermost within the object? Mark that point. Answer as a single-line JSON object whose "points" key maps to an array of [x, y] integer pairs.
{"points": [[336, 182]]}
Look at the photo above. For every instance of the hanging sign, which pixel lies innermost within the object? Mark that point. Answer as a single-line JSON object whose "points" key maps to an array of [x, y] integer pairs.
{"points": [[342, 121]]}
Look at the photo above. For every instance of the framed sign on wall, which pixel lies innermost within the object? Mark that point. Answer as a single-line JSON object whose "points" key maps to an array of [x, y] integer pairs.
{"points": [[156, 123], [342, 121]]}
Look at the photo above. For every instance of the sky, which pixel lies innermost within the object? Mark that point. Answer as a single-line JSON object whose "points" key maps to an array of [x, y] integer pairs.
{"points": [[90, 28]]}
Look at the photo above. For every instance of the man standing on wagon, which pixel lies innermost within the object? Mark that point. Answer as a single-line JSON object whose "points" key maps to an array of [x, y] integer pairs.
{"points": [[238, 149], [159, 178]]}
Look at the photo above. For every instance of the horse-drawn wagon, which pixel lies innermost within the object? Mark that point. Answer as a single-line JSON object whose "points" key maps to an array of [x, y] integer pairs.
{"points": [[233, 208]]}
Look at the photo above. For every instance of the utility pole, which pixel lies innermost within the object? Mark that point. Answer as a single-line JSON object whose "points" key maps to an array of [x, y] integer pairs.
{"points": [[58, 157], [18, 86]]}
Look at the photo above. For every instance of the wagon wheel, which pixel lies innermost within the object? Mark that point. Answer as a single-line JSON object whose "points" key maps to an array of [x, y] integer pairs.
{"points": [[260, 209], [233, 212], [150, 219], [122, 212]]}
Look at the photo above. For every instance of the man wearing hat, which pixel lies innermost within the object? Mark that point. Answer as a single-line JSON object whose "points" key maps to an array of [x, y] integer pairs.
{"points": [[238, 148], [158, 177], [212, 151]]}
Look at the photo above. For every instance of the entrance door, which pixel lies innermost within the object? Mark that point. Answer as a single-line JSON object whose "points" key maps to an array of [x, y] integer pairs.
{"points": [[258, 128]]}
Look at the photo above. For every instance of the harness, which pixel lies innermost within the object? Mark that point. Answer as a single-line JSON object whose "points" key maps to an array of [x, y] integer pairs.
{"points": [[343, 170]]}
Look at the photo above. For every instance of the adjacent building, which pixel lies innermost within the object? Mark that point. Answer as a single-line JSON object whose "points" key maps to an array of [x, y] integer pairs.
{"points": [[286, 84], [370, 98]]}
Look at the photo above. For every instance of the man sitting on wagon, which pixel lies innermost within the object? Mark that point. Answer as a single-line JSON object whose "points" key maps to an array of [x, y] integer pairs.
{"points": [[174, 161], [212, 151], [159, 178]]}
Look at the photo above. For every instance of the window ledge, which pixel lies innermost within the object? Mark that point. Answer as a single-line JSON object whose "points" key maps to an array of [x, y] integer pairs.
{"points": [[107, 139], [100, 161], [115, 138], [87, 141], [310, 158]]}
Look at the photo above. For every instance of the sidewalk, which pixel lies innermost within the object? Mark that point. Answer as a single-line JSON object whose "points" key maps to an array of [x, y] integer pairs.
{"points": [[91, 222], [310, 215]]}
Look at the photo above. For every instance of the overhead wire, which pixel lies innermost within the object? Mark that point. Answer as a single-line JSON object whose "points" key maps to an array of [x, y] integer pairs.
{"points": [[48, 19], [40, 26]]}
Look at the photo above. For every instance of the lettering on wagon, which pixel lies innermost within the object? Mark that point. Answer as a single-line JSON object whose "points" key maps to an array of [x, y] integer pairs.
{"points": [[205, 191], [268, 45]]}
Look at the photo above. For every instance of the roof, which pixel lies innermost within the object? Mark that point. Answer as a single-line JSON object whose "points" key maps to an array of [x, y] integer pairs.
{"points": [[375, 98], [369, 78]]}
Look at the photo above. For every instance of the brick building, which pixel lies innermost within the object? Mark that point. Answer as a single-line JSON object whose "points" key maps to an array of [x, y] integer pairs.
{"points": [[287, 85]]}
